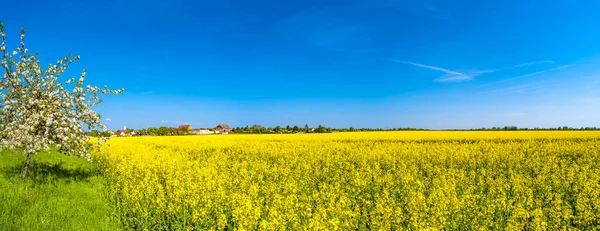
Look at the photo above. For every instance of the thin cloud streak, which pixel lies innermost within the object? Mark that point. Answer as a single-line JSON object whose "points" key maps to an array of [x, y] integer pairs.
{"points": [[451, 76], [107, 119], [527, 75], [533, 63], [519, 65], [516, 89], [429, 67], [508, 89], [514, 67], [456, 76]]}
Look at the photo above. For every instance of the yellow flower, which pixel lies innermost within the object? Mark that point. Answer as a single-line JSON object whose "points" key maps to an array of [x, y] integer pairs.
{"points": [[374, 180]]}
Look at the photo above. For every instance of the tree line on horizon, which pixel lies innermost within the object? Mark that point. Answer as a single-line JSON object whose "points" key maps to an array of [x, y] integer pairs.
{"points": [[151, 131], [258, 129], [515, 128], [254, 129]]}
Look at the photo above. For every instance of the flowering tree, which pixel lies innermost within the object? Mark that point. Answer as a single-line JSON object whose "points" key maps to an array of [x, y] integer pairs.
{"points": [[38, 112]]}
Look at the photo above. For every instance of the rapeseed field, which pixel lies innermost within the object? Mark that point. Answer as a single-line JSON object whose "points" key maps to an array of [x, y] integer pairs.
{"points": [[373, 180]]}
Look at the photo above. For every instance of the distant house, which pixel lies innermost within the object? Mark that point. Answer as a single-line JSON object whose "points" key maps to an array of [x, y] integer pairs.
{"points": [[126, 133], [201, 131], [222, 128], [123, 132]]}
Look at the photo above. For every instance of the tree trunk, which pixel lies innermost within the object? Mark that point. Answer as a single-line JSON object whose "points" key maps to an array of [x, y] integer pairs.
{"points": [[26, 168]]}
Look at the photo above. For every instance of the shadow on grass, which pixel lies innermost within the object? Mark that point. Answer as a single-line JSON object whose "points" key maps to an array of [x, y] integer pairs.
{"points": [[49, 173]]}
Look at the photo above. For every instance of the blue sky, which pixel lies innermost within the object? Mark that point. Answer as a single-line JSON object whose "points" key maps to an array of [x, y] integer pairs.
{"points": [[377, 63]]}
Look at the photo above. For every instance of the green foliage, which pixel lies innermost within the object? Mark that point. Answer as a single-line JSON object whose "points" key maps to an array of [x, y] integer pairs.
{"points": [[106, 134], [515, 128], [61, 193], [95, 133], [164, 131], [322, 129]]}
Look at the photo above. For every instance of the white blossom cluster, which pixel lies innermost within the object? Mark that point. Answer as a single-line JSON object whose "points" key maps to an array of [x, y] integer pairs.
{"points": [[38, 112]]}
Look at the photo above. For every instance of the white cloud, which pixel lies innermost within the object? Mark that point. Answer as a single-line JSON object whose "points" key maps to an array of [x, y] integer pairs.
{"points": [[164, 121], [107, 119]]}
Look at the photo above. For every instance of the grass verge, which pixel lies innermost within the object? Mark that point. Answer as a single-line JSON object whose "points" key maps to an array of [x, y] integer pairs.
{"points": [[60, 193]]}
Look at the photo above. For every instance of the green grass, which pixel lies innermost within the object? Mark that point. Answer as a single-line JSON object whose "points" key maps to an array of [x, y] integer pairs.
{"points": [[60, 193]]}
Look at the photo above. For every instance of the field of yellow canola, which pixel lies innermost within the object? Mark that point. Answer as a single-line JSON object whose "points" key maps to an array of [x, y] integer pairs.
{"points": [[376, 180]]}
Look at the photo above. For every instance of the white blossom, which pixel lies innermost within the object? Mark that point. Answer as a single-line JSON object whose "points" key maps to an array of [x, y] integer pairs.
{"points": [[38, 112]]}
